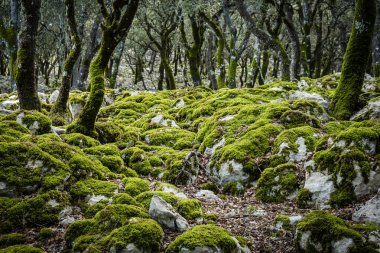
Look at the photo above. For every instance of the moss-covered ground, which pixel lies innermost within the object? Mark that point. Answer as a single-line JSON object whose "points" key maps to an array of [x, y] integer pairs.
{"points": [[242, 144]]}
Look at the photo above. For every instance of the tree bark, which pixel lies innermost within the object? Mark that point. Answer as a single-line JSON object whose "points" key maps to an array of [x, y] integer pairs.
{"points": [[376, 44], [25, 73], [60, 107], [345, 100]]}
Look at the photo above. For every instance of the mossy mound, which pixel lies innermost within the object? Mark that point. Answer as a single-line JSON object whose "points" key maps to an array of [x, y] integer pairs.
{"points": [[321, 231], [277, 184], [209, 238], [36, 122], [134, 186], [7, 240], [80, 140], [39, 211], [11, 131], [25, 168], [21, 249]]}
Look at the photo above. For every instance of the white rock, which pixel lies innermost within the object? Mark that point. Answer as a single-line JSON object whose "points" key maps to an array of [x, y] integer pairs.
{"points": [[75, 110], [300, 95], [295, 219], [226, 118], [96, 199], [207, 195], [302, 85], [260, 213], [10, 104], [343, 245], [321, 186], [370, 211], [231, 171], [211, 151], [130, 248], [53, 203], [165, 215], [53, 97], [180, 104], [370, 111], [3, 186]]}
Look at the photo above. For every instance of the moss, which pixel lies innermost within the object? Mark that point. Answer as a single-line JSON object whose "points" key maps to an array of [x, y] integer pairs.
{"points": [[160, 186], [117, 215], [356, 57], [134, 186], [211, 186], [102, 150], [276, 184], [12, 239], [83, 168], [114, 163], [80, 140], [293, 118], [124, 198], [45, 234], [12, 131], [28, 119], [128, 172], [282, 221], [304, 198], [21, 249], [78, 228], [190, 209], [170, 137], [85, 241], [326, 228], [42, 210], [145, 234], [28, 169], [146, 197], [233, 188], [85, 188], [203, 235]]}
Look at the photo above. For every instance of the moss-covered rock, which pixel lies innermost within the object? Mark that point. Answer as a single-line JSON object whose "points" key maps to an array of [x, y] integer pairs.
{"points": [[146, 197], [206, 238], [12, 239], [21, 249], [80, 140], [86, 189], [11, 131], [277, 184], [25, 168], [35, 121], [320, 231], [134, 186]]}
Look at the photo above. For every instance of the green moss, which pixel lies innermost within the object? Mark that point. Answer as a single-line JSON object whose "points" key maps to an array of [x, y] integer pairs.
{"points": [[160, 186], [303, 199], [85, 241], [146, 197], [233, 188], [42, 210], [170, 137], [290, 136], [29, 119], [325, 228], [145, 234], [276, 184], [117, 215], [89, 187], [128, 172], [124, 198], [282, 221], [114, 163], [80, 140], [28, 169], [102, 150], [78, 228], [190, 209], [45, 233], [203, 235], [12, 239], [21, 249], [12, 131], [134, 186], [90, 210], [211, 186], [293, 118]]}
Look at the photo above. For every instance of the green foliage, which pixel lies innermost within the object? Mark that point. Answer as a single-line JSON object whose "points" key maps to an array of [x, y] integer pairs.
{"points": [[12, 239], [45, 233], [134, 186], [21, 249]]}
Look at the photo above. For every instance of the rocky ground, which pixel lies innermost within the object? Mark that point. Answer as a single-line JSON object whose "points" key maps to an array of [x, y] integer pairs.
{"points": [[245, 170]]}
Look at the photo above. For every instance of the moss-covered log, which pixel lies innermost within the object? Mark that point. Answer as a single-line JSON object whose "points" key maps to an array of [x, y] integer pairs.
{"points": [[345, 100]]}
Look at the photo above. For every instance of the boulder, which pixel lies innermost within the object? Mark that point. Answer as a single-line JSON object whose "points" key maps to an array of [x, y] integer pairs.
{"points": [[165, 215], [370, 211]]}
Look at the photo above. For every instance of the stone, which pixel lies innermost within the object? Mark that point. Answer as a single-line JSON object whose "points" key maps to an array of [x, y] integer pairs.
{"points": [[343, 245], [160, 120], [370, 111], [53, 97], [321, 186], [180, 104], [96, 199], [231, 171], [165, 215], [207, 195], [370, 211], [10, 105], [130, 248], [226, 118], [75, 110], [301, 95]]}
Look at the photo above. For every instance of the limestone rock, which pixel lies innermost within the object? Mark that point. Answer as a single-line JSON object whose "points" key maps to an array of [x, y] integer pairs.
{"points": [[370, 211], [165, 215], [321, 186]]}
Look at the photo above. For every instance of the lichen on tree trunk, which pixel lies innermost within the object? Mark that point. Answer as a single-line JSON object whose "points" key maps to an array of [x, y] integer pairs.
{"points": [[345, 100]]}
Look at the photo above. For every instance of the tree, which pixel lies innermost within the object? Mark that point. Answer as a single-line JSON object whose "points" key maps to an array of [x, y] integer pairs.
{"points": [[376, 44], [25, 73], [345, 100], [115, 27], [60, 107]]}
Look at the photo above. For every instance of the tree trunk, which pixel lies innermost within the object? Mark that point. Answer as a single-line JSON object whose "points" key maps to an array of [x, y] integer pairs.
{"points": [[161, 71], [376, 44], [209, 61], [60, 107], [168, 71], [25, 75], [116, 64], [345, 100], [264, 67]]}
